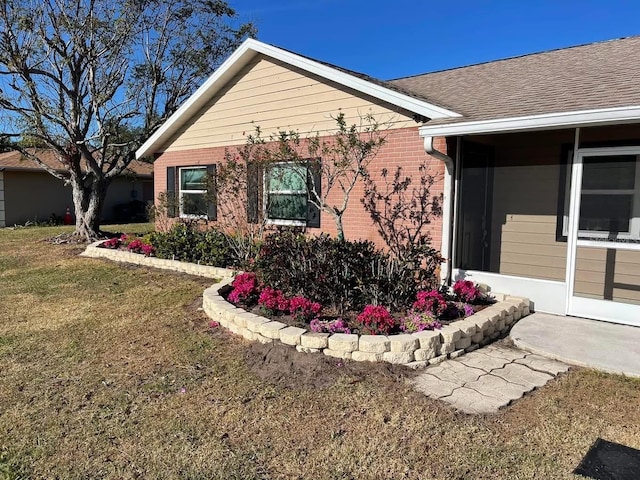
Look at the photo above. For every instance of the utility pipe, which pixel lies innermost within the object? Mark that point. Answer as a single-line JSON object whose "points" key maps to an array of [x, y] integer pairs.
{"points": [[447, 207]]}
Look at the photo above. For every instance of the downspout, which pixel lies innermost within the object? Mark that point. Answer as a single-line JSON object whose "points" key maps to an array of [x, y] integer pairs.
{"points": [[447, 208]]}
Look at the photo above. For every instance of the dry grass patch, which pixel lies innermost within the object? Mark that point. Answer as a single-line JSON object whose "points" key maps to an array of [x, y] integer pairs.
{"points": [[109, 371]]}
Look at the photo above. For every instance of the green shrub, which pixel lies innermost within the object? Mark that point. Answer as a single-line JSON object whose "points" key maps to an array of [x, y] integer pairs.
{"points": [[186, 242], [345, 275]]}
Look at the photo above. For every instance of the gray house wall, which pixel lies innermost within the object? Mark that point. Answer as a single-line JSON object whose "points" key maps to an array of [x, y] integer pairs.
{"points": [[36, 196]]}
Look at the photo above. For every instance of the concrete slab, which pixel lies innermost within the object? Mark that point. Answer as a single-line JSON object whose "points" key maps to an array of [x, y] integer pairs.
{"points": [[485, 380], [503, 353], [496, 387], [589, 343], [522, 375], [434, 387], [472, 401], [456, 372], [483, 361], [542, 364]]}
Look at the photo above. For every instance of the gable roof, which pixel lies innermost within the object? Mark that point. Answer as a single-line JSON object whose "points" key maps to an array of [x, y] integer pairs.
{"points": [[592, 82], [14, 161], [391, 94]]}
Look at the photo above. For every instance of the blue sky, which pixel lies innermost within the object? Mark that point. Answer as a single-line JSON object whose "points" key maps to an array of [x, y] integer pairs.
{"points": [[390, 39]]}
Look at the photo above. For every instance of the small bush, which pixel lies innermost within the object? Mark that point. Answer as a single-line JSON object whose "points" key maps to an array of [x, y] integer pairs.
{"points": [[431, 302], [417, 321], [304, 310], [245, 289], [188, 243], [376, 320], [329, 326], [273, 301], [343, 275], [467, 291], [138, 246]]}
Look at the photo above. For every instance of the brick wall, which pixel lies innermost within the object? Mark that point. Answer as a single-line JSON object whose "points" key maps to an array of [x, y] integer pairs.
{"points": [[403, 147]]}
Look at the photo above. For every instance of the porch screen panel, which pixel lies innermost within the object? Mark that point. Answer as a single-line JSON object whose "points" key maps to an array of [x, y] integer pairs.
{"points": [[608, 274], [609, 221]]}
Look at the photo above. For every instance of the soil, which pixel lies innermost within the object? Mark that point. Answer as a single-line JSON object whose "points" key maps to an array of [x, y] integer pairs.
{"points": [[285, 367]]}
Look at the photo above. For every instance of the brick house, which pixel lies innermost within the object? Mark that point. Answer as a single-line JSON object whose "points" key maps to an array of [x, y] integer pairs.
{"points": [[537, 158]]}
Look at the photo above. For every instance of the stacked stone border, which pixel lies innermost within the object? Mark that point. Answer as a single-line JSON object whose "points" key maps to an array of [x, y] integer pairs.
{"points": [[414, 350], [207, 271]]}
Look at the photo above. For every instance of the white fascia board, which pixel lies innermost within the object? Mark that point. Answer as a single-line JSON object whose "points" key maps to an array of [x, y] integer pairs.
{"points": [[195, 102], [536, 122], [246, 52]]}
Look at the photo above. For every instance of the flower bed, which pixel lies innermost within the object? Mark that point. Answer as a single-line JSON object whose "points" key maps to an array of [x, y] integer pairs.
{"points": [[412, 349], [429, 310]]}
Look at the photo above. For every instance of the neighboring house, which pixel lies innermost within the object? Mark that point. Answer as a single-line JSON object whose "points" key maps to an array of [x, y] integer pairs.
{"points": [[28, 193], [539, 156]]}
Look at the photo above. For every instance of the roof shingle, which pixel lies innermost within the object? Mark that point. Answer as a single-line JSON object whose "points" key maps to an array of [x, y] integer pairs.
{"points": [[14, 160], [586, 77]]}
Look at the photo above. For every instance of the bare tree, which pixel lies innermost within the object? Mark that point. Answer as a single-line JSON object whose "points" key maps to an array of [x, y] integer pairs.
{"points": [[402, 208], [337, 161], [92, 79]]}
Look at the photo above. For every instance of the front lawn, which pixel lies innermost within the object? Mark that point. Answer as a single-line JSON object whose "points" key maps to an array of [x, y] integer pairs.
{"points": [[110, 371]]}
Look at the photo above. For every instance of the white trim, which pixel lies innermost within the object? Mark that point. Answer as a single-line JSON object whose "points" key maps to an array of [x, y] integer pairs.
{"points": [[266, 192], [181, 191], [548, 296], [246, 52], [545, 121], [599, 309], [607, 310], [606, 244], [574, 208]]}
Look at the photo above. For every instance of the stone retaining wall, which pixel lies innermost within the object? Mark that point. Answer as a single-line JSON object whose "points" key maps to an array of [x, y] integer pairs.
{"points": [[415, 350], [94, 251]]}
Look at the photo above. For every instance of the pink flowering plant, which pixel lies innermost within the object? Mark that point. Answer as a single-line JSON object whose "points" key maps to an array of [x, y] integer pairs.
{"points": [[273, 301], [138, 246], [467, 291], [112, 244], [304, 310], [376, 320], [431, 302], [329, 326], [416, 321], [245, 289]]}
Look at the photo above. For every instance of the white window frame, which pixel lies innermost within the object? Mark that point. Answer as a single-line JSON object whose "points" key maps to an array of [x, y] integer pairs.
{"points": [[634, 221], [181, 191], [267, 192]]}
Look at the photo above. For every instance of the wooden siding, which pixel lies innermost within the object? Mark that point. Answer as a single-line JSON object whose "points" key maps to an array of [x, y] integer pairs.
{"points": [[608, 274], [277, 97], [524, 222], [2, 217]]}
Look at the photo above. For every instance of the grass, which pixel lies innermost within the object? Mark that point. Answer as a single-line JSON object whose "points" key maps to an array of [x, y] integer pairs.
{"points": [[94, 357]]}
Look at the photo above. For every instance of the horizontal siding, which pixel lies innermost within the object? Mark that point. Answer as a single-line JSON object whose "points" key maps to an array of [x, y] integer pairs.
{"points": [[525, 213], [275, 97], [593, 272]]}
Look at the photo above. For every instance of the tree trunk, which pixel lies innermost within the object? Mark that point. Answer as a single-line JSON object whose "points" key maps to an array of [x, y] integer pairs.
{"points": [[88, 200], [339, 227]]}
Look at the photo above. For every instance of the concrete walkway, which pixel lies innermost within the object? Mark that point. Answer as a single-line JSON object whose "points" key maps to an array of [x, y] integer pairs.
{"points": [[588, 343], [487, 379]]}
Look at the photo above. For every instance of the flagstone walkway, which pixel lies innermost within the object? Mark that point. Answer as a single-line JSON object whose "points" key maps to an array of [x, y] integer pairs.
{"points": [[487, 379]]}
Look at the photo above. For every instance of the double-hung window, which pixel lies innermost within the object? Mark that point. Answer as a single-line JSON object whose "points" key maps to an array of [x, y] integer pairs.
{"points": [[610, 202], [609, 198], [285, 191], [193, 192]]}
